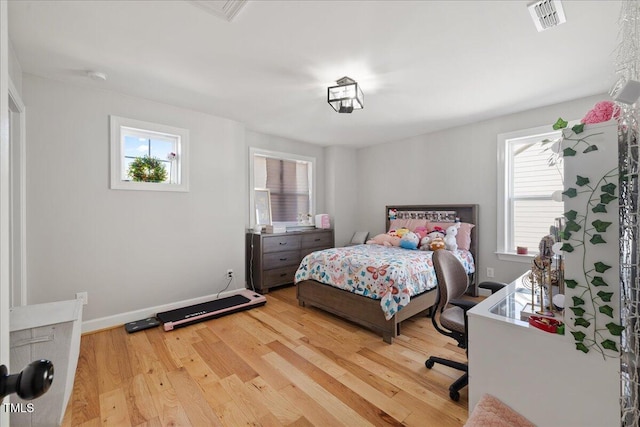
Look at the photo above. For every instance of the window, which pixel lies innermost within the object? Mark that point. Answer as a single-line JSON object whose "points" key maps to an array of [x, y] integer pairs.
{"points": [[148, 156], [290, 181], [529, 173]]}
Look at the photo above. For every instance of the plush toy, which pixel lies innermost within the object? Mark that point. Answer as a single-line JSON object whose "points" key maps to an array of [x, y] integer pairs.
{"points": [[424, 244], [421, 232], [393, 213], [437, 244], [384, 239], [450, 239], [401, 231], [409, 241]]}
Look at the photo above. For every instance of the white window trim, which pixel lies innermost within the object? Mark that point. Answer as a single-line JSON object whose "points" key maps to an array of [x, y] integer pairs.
{"points": [[116, 123], [503, 197], [279, 155]]}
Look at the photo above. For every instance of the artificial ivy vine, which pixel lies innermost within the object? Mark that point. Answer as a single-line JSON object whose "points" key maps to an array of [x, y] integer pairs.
{"points": [[585, 230]]}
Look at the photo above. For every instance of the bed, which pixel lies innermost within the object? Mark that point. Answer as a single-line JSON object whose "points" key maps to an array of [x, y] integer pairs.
{"points": [[367, 310]]}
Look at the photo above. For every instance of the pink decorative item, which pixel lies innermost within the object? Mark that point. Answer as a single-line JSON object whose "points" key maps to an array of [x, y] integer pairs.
{"points": [[385, 240], [603, 111], [323, 221], [420, 231]]}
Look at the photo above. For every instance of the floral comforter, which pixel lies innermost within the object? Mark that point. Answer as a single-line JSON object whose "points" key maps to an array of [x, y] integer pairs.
{"points": [[391, 274]]}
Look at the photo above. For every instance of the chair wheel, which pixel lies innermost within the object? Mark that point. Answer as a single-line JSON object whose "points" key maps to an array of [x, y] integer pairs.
{"points": [[429, 363], [454, 395]]}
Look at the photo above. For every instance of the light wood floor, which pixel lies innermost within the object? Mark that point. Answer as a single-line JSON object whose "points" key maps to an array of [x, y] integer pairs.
{"points": [[277, 365]]}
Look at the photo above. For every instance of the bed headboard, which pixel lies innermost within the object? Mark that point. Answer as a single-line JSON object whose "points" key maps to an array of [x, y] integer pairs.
{"points": [[444, 213]]}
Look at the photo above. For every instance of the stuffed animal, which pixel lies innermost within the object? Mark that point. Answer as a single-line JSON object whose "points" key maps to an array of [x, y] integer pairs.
{"points": [[437, 244], [450, 239], [410, 240], [425, 242], [384, 239], [421, 232], [401, 231]]}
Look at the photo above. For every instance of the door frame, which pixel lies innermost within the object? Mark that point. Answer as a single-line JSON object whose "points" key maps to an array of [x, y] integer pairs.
{"points": [[4, 195], [17, 198]]}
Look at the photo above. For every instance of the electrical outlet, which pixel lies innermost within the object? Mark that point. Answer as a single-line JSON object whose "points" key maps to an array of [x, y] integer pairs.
{"points": [[229, 274], [490, 273], [84, 296]]}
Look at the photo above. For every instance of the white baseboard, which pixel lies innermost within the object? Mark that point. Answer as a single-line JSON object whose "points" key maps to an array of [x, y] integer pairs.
{"points": [[122, 318]]}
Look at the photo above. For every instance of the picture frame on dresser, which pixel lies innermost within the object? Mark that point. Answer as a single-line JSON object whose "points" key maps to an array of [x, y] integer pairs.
{"points": [[262, 198]]}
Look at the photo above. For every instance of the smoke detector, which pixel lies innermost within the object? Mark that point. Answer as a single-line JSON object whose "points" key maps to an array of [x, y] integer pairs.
{"points": [[547, 14]]}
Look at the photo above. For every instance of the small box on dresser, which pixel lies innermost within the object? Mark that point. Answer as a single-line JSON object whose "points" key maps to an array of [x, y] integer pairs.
{"points": [[272, 259]]}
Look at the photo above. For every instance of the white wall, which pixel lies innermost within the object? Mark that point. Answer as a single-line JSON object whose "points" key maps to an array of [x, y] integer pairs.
{"points": [[15, 71], [342, 192], [458, 165], [129, 250]]}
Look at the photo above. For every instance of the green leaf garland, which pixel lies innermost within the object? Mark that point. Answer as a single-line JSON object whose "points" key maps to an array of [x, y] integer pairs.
{"points": [[582, 232]]}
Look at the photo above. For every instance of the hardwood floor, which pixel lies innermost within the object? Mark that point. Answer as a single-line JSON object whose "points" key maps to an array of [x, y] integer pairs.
{"points": [[276, 365]]}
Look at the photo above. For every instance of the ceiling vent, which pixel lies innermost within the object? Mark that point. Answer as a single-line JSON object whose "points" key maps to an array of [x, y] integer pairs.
{"points": [[547, 14], [226, 9]]}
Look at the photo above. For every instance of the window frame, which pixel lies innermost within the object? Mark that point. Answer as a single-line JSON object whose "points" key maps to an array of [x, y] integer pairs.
{"points": [[148, 128], [253, 151], [504, 215]]}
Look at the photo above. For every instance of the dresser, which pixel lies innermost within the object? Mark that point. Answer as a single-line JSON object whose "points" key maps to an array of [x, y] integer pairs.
{"points": [[272, 259]]}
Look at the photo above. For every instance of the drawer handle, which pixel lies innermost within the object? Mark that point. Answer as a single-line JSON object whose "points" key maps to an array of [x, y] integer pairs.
{"points": [[282, 243], [317, 240], [34, 340], [283, 274], [283, 259]]}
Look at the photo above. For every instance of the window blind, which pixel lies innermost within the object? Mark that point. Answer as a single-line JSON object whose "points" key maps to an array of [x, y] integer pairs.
{"points": [[533, 180], [288, 182]]}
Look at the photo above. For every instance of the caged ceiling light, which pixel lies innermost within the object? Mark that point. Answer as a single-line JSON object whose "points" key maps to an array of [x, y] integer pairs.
{"points": [[346, 96]]}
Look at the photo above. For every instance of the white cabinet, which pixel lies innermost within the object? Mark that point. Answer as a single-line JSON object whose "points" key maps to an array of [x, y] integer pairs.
{"points": [[538, 374], [543, 376], [46, 331]]}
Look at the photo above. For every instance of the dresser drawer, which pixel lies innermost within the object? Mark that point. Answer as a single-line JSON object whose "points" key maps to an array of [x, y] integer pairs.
{"points": [[279, 276], [314, 240], [280, 243], [280, 259]]}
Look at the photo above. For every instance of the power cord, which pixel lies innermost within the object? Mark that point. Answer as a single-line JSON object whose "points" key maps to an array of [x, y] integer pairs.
{"points": [[253, 288], [225, 288]]}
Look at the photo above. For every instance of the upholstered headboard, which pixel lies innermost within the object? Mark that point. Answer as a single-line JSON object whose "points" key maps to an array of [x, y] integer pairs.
{"points": [[443, 213]]}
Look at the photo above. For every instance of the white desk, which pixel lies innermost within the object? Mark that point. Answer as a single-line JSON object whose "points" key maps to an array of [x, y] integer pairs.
{"points": [[538, 374]]}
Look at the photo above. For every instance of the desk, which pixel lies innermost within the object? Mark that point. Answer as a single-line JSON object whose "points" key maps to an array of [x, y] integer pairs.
{"points": [[540, 375]]}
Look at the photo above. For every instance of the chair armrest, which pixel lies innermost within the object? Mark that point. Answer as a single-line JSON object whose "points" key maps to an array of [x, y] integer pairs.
{"points": [[463, 304], [492, 286]]}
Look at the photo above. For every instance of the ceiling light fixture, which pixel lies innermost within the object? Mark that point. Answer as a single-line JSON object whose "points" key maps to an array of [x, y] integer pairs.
{"points": [[547, 14], [346, 96]]}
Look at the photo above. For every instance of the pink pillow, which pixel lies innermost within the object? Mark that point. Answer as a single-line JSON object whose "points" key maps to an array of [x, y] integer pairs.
{"points": [[409, 223], [463, 238]]}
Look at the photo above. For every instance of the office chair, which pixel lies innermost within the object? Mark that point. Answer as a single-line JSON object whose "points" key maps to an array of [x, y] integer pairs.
{"points": [[450, 318]]}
